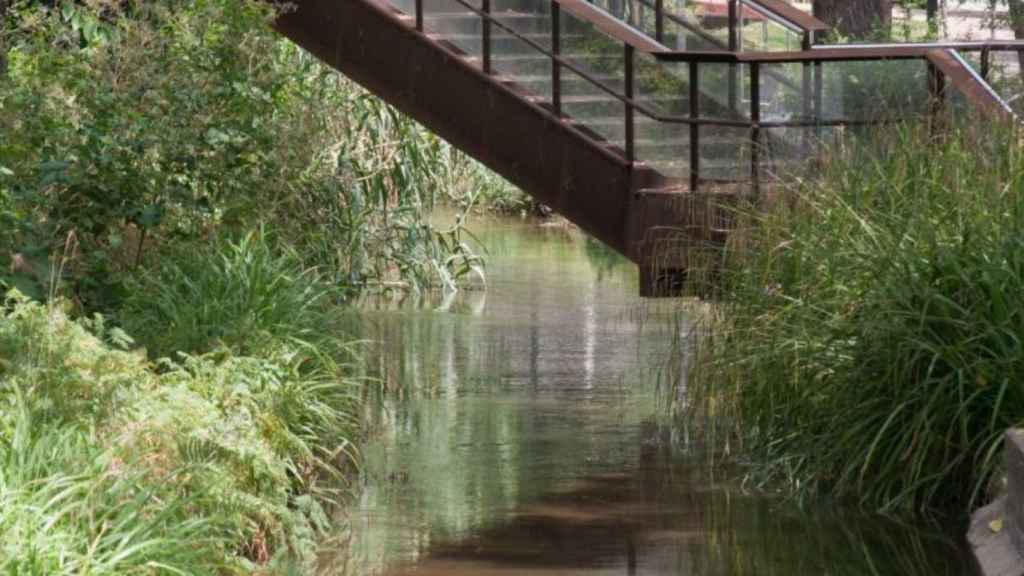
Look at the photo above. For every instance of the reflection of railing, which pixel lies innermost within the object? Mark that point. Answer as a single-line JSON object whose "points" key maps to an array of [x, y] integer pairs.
{"points": [[942, 60]]}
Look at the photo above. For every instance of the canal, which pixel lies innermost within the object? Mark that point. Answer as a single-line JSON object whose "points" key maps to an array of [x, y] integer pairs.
{"points": [[524, 429]]}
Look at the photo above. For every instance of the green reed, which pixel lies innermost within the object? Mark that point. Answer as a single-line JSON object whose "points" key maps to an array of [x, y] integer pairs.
{"points": [[869, 340]]}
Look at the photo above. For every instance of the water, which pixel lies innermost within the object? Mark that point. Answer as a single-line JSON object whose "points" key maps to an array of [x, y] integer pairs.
{"points": [[520, 430]]}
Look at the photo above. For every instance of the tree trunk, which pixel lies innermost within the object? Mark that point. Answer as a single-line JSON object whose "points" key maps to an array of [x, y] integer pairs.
{"points": [[3, 37], [1017, 24], [855, 18]]}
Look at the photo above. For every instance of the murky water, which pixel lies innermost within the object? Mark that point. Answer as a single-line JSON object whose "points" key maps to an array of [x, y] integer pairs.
{"points": [[519, 431]]}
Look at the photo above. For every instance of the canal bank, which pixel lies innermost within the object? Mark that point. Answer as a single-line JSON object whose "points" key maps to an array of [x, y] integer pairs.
{"points": [[997, 530]]}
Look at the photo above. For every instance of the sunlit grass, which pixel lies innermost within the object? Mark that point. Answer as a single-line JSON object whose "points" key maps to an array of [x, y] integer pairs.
{"points": [[217, 463]]}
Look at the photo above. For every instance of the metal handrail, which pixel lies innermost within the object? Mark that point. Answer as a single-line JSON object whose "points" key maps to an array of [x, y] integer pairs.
{"points": [[766, 8], [755, 6], [939, 67], [563, 63]]}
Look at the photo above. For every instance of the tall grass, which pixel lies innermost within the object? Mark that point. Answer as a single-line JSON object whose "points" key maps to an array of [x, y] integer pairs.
{"points": [[242, 294], [869, 341], [66, 509]]}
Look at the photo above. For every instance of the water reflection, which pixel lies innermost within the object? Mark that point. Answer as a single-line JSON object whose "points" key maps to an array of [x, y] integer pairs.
{"points": [[517, 432]]}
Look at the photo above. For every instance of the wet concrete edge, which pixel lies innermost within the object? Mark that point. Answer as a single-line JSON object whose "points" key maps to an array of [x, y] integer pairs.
{"points": [[996, 534]]}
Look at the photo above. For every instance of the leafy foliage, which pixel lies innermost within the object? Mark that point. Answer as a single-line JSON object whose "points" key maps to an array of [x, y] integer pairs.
{"points": [[217, 463], [131, 126]]}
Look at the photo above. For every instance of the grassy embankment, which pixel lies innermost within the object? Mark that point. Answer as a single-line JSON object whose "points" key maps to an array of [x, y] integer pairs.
{"points": [[868, 342], [217, 195]]}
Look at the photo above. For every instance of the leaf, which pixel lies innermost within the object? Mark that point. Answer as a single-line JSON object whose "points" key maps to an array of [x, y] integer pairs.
{"points": [[89, 31], [120, 338], [53, 171], [150, 216], [25, 284], [996, 526]]}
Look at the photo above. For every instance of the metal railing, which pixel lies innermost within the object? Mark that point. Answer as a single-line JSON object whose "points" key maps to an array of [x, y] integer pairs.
{"points": [[942, 60]]}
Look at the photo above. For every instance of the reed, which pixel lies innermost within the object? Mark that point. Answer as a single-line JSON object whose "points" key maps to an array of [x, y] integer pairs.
{"points": [[868, 342]]}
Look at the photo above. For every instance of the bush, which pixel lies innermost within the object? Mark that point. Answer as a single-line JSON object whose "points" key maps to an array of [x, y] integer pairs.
{"points": [[869, 343], [132, 125], [213, 464]]}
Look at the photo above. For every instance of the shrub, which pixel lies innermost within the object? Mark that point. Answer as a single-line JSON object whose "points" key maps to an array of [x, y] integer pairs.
{"points": [[218, 462], [129, 126]]}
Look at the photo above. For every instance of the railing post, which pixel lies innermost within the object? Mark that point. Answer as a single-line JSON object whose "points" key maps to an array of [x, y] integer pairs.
{"points": [[419, 15], [659, 20], [819, 104], [805, 91], [486, 9], [556, 49], [806, 99], [733, 47], [937, 93], [694, 126], [986, 63], [733, 31], [932, 12], [630, 127], [755, 126]]}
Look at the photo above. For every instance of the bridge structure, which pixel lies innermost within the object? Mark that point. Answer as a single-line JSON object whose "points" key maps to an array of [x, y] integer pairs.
{"points": [[642, 121]]}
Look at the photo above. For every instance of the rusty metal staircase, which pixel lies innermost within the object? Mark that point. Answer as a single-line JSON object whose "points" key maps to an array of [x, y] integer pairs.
{"points": [[635, 119]]}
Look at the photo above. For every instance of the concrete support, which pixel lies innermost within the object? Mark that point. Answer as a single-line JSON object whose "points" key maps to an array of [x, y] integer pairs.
{"points": [[997, 531]]}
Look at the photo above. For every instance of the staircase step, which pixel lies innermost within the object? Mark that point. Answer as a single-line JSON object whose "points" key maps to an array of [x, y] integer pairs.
{"points": [[572, 84], [540, 64], [725, 170], [501, 42], [603, 105], [646, 128], [663, 146], [469, 23]]}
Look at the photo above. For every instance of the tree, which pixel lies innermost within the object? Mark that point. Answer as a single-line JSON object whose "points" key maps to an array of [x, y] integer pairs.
{"points": [[1017, 24], [3, 41], [855, 18]]}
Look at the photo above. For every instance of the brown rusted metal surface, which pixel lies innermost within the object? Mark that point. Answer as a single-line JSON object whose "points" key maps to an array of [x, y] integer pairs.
{"points": [[557, 160], [802, 19], [555, 163], [816, 55], [976, 91], [973, 46]]}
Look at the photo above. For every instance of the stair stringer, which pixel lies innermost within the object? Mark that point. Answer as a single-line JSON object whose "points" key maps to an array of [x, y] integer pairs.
{"points": [[579, 177]]}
